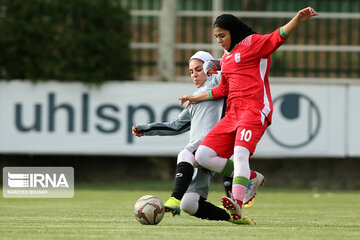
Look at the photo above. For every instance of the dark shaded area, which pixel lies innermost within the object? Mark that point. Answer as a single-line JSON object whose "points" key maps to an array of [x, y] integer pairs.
{"points": [[65, 40], [331, 173]]}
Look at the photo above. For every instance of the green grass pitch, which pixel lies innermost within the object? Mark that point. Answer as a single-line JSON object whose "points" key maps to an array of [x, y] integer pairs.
{"points": [[105, 211]]}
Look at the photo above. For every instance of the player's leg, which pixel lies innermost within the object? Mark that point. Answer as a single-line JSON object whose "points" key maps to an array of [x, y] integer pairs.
{"points": [[240, 182], [194, 201], [209, 159], [252, 128], [256, 180], [195, 205], [183, 175]]}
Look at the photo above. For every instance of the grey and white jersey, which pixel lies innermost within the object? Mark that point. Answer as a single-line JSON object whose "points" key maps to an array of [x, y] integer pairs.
{"points": [[199, 118]]}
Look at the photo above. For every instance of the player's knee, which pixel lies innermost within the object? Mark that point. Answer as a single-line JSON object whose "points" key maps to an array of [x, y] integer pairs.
{"points": [[187, 206], [186, 156], [190, 203], [203, 155]]}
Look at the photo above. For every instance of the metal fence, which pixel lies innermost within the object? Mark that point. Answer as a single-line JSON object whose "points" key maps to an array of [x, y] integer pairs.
{"points": [[327, 46]]}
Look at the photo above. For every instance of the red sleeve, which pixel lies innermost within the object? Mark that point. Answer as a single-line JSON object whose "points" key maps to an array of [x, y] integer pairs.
{"points": [[264, 45], [222, 90]]}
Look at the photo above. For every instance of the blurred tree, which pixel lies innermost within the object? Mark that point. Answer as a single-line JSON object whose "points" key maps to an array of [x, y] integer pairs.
{"points": [[65, 40]]}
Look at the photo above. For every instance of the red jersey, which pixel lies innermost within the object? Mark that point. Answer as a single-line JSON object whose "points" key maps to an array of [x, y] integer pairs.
{"points": [[245, 72]]}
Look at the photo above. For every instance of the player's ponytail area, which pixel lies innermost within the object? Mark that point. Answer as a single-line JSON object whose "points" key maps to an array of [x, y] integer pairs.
{"points": [[106, 211]]}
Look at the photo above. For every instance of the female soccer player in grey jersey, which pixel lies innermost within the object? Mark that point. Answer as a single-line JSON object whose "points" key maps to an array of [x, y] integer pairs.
{"points": [[199, 119]]}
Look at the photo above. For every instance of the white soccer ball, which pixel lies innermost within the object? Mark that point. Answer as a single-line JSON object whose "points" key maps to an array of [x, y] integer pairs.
{"points": [[149, 210]]}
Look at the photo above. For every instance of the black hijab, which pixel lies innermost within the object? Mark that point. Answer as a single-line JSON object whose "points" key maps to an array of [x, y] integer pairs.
{"points": [[238, 30]]}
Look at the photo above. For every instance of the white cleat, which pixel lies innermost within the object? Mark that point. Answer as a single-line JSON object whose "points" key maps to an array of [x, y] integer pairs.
{"points": [[253, 185]]}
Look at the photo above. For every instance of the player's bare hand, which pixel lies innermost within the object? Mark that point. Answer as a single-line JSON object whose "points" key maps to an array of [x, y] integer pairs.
{"points": [[187, 98], [136, 131], [212, 71], [305, 14]]}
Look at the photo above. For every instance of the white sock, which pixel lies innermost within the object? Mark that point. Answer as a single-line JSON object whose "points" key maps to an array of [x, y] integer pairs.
{"points": [[241, 162], [209, 159]]}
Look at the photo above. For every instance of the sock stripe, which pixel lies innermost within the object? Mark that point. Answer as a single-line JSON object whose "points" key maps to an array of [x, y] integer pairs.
{"points": [[228, 169], [241, 180]]}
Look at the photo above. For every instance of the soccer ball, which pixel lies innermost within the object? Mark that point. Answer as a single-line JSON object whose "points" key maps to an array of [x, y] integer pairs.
{"points": [[149, 210]]}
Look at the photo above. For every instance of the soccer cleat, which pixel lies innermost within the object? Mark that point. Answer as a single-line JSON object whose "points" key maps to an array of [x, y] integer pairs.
{"points": [[249, 204], [243, 221], [233, 207], [253, 185], [172, 205]]}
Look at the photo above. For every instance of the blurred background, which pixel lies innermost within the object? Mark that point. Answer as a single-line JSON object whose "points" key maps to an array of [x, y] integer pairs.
{"points": [[76, 75]]}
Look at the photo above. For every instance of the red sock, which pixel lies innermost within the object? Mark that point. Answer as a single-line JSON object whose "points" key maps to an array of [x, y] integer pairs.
{"points": [[252, 175]]}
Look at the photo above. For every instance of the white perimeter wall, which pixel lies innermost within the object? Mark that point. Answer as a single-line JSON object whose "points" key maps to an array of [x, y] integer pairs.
{"points": [[71, 118]]}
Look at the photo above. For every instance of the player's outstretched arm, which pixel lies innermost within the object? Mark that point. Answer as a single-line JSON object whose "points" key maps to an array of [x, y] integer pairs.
{"points": [[194, 98], [300, 17], [177, 126]]}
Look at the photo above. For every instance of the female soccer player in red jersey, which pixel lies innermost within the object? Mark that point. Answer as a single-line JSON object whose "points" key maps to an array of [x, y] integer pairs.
{"points": [[245, 68]]}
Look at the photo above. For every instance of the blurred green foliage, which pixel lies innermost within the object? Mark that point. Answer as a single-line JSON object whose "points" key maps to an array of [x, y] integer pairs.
{"points": [[64, 40]]}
